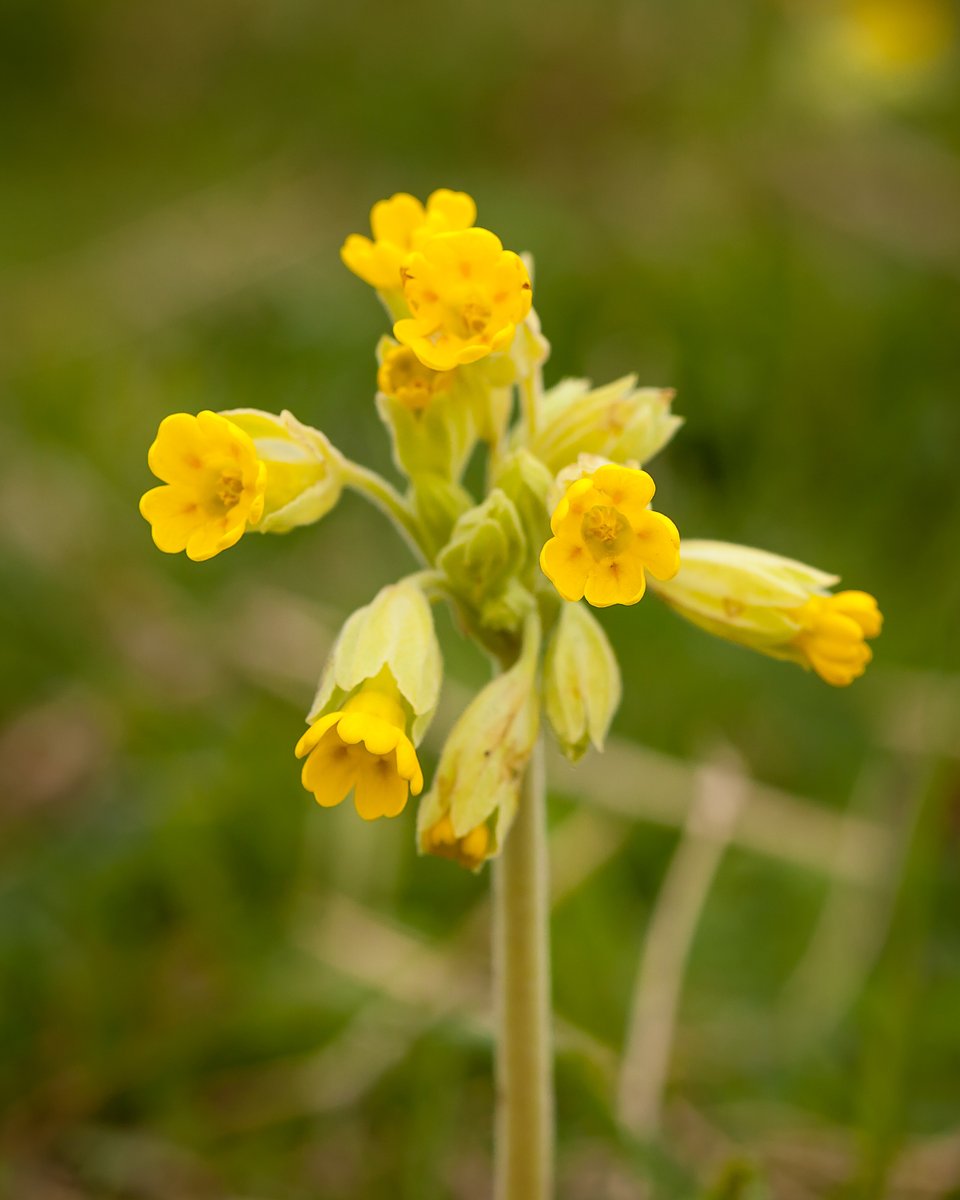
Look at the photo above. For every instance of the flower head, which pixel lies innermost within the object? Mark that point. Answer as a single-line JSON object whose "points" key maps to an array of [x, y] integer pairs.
{"points": [[833, 633], [467, 296], [399, 225], [363, 748], [214, 485], [606, 538]]}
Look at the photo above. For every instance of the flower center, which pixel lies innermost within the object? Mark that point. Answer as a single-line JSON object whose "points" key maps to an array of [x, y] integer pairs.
{"points": [[606, 531], [229, 490], [470, 319]]}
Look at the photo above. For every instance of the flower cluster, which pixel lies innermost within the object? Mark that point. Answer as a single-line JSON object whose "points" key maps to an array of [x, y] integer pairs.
{"points": [[565, 518]]}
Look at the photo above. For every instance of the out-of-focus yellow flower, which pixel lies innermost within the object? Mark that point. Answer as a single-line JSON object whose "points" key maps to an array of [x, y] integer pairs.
{"points": [[402, 376], [214, 485], [467, 296], [363, 748], [894, 36], [399, 225], [833, 635], [470, 851], [606, 538], [776, 605]]}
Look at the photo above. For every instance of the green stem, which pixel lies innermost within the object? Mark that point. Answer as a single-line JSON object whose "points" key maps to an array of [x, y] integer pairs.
{"points": [[386, 497], [521, 949], [530, 389]]}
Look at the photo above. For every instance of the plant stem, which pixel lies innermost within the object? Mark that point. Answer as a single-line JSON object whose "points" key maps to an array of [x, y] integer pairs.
{"points": [[386, 497], [521, 957]]}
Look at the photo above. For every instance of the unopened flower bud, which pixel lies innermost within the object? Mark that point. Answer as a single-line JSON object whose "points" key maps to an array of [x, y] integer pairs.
{"points": [[581, 681], [619, 421], [485, 548]]}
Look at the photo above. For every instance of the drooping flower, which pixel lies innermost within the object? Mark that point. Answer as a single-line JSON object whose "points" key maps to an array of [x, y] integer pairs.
{"points": [[606, 539], [399, 225], [363, 748], [470, 850], [467, 296], [214, 485], [833, 633], [776, 605]]}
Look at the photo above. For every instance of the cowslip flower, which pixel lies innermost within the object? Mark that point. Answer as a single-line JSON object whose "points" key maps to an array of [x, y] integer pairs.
{"points": [[402, 376], [470, 851], [467, 296], [213, 485], [606, 538], [363, 748], [399, 225], [776, 605], [833, 633]]}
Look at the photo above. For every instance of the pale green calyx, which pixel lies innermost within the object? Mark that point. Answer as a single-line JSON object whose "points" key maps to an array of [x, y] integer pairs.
{"points": [[430, 415], [478, 779], [527, 483], [581, 681], [304, 471], [392, 639], [619, 421], [745, 595]]}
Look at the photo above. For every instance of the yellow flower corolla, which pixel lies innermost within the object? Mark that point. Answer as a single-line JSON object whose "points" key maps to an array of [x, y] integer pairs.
{"points": [[214, 485], [891, 36], [833, 635], [605, 538], [399, 225], [402, 376], [469, 851], [363, 748], [467, 296]]}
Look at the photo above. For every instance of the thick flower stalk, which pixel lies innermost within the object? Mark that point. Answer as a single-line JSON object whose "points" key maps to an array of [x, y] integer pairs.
{"points": [[561, 523]]}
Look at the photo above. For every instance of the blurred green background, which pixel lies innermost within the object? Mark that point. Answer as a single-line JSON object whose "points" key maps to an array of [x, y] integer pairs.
{"points": [[208, 987]]}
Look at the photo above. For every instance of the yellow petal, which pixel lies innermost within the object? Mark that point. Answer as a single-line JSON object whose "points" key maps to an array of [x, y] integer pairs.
{"points": [[330, 771], [213, 537], [658, 544], [566, 565], [627, 489], [380, 791], [618, 580], [395, 220], [315, 733]]}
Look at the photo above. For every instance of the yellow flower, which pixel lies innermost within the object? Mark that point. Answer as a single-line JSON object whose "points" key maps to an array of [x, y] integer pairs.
{"points": [[399, 225], [467, 296], [891, 36], [776, 605], [402, 376], [364, 748], [605, 538], [214, 485], [833, 635], [469, 851]]}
